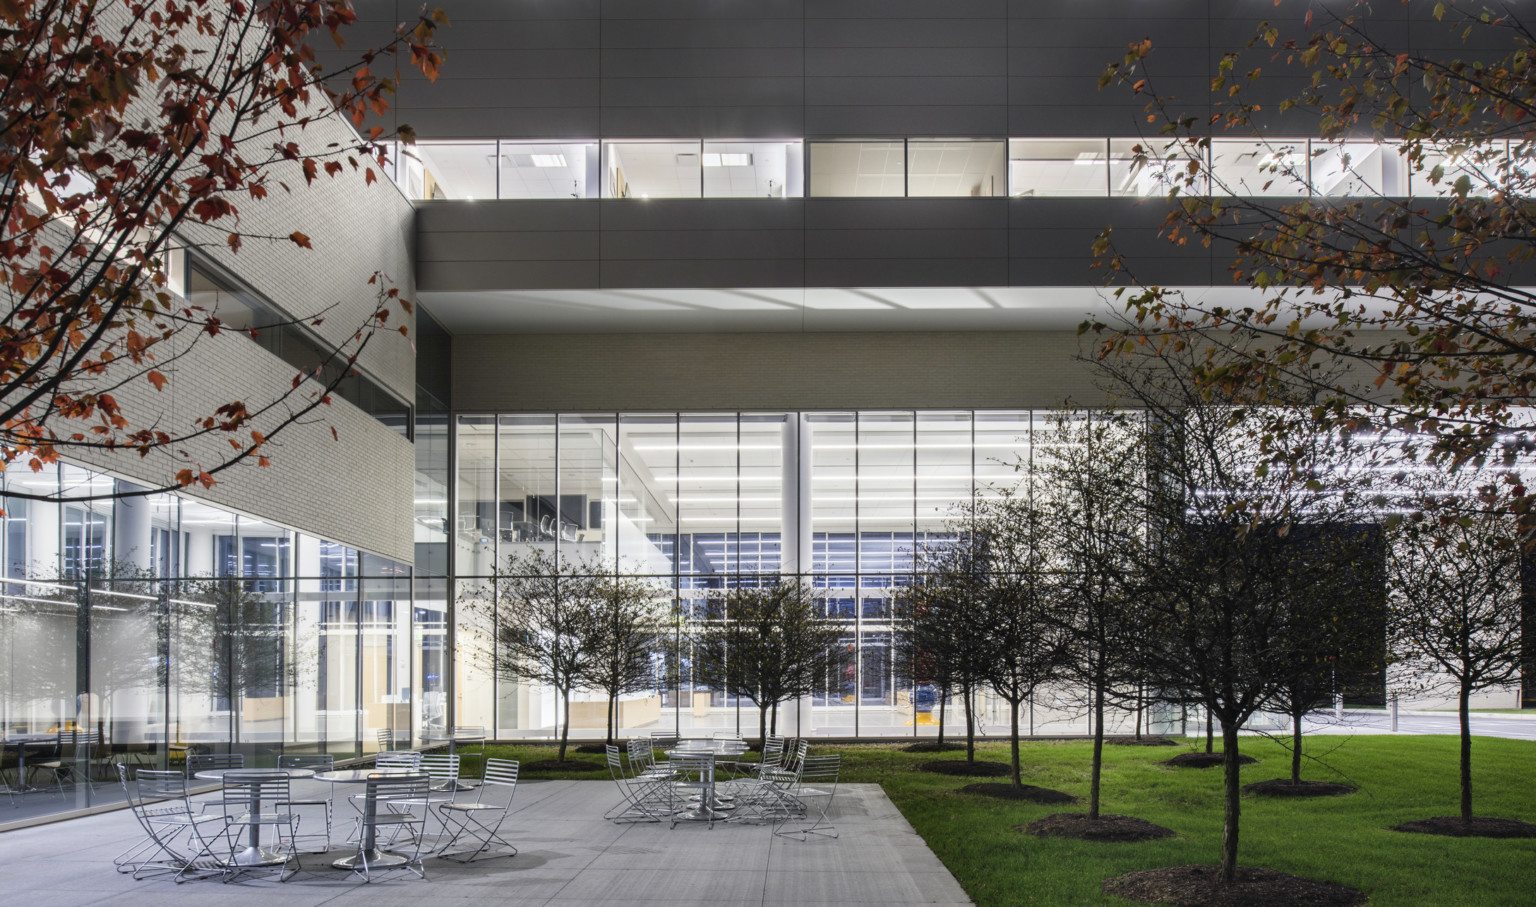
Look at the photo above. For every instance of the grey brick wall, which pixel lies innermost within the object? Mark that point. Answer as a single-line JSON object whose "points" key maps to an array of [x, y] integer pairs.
{"points": [[356, 487]]}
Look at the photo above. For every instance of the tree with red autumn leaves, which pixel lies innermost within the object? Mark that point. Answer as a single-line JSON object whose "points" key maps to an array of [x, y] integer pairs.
{"points": [[125, 128], [1427, 297]]}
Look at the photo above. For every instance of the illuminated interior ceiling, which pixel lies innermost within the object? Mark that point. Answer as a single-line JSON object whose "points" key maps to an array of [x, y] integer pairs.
{"points": [[787, 310]]}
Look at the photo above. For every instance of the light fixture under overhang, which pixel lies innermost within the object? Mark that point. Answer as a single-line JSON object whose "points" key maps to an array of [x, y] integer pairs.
{"points": [[727, 159]]}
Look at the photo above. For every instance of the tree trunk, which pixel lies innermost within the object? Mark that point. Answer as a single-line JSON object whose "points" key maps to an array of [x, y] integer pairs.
{"points": [[1296, 745], [1138, 711], [1210, 732], [565, 729], [1466, 751], [762, 723], [1234, 805], [1098, 750], [1013, 714], [613, 720], [773, 720], [970, 728], [943, 704]]}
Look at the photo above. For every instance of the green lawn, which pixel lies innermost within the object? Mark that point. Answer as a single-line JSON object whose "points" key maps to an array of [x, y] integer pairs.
{"points": [[1343, 839]]}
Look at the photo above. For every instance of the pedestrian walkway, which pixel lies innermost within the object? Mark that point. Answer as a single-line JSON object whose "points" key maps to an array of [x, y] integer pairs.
{"points": [[569, 856]]}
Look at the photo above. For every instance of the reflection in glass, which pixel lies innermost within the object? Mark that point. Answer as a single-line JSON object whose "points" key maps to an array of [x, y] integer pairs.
{"points": [[1058, 167], [1277, 167]]}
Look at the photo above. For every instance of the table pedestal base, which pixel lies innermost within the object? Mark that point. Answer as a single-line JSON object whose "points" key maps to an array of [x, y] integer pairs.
{"points": [[377, 859], [258, 856]]}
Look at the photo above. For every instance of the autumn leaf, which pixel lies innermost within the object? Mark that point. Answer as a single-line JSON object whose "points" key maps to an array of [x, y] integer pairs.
{"points": [[300, 240]]}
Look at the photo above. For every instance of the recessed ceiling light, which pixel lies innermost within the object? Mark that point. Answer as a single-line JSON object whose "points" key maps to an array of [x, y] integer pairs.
{"points": [[548, 160], [712, 159]]}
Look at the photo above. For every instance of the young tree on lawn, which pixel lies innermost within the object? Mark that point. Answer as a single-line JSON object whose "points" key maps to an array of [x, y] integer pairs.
{"points": [[1334, 634], [1453, 580], [548, 619], [919, 645], [766, 643], [1020, 602], [127, 131], [1090, 471], [1223, 525], [941, 611], [1429, 295], [629, 631]]}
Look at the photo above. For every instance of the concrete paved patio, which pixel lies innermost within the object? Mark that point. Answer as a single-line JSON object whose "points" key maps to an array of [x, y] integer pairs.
{"points": [[569, 855]]}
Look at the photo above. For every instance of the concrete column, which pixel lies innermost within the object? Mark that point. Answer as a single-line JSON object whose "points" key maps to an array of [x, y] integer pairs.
{"points": [[131, 529]]}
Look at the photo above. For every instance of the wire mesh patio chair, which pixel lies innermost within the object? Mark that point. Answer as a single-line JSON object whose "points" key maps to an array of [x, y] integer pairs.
{"points": [[254, 800], [378, 813], [443, 770], [813, 792], [481, 818], [174, 840], [643, 792], [203, 762], [316, 762]]}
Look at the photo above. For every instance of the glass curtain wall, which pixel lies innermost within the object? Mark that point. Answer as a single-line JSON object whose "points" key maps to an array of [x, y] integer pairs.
{"points": [[701, 503], [141, 629]]}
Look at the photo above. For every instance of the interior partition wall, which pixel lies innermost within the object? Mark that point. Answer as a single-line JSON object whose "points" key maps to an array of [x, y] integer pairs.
{"points": [[141, 629], [700, 503]]}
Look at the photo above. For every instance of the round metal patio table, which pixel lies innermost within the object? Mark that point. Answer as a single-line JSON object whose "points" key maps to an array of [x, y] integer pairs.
{"points": [[368, 846], [254, 854], [710, 806]]}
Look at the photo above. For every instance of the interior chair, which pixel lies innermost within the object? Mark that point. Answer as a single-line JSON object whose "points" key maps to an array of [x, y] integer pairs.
{"points": [[70, 760]]}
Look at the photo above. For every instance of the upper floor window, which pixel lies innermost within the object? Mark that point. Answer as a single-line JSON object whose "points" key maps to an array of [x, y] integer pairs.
{"points": [[866, 169], [956, 168]]}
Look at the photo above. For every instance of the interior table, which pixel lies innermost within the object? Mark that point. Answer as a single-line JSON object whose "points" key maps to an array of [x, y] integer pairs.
{"points": [[710, 806], [368, 846], [19, 743], [254, 854]]}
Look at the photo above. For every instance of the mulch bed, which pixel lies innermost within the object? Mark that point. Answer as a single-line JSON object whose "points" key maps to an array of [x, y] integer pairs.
{"points": [[1285, 787], [597, 748], [1479, 827], [1140, 741], [1204, 760], [977, 769], [556, 765], [932, 746], [1125, 829], [1028, 792], [1200, 886]]}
